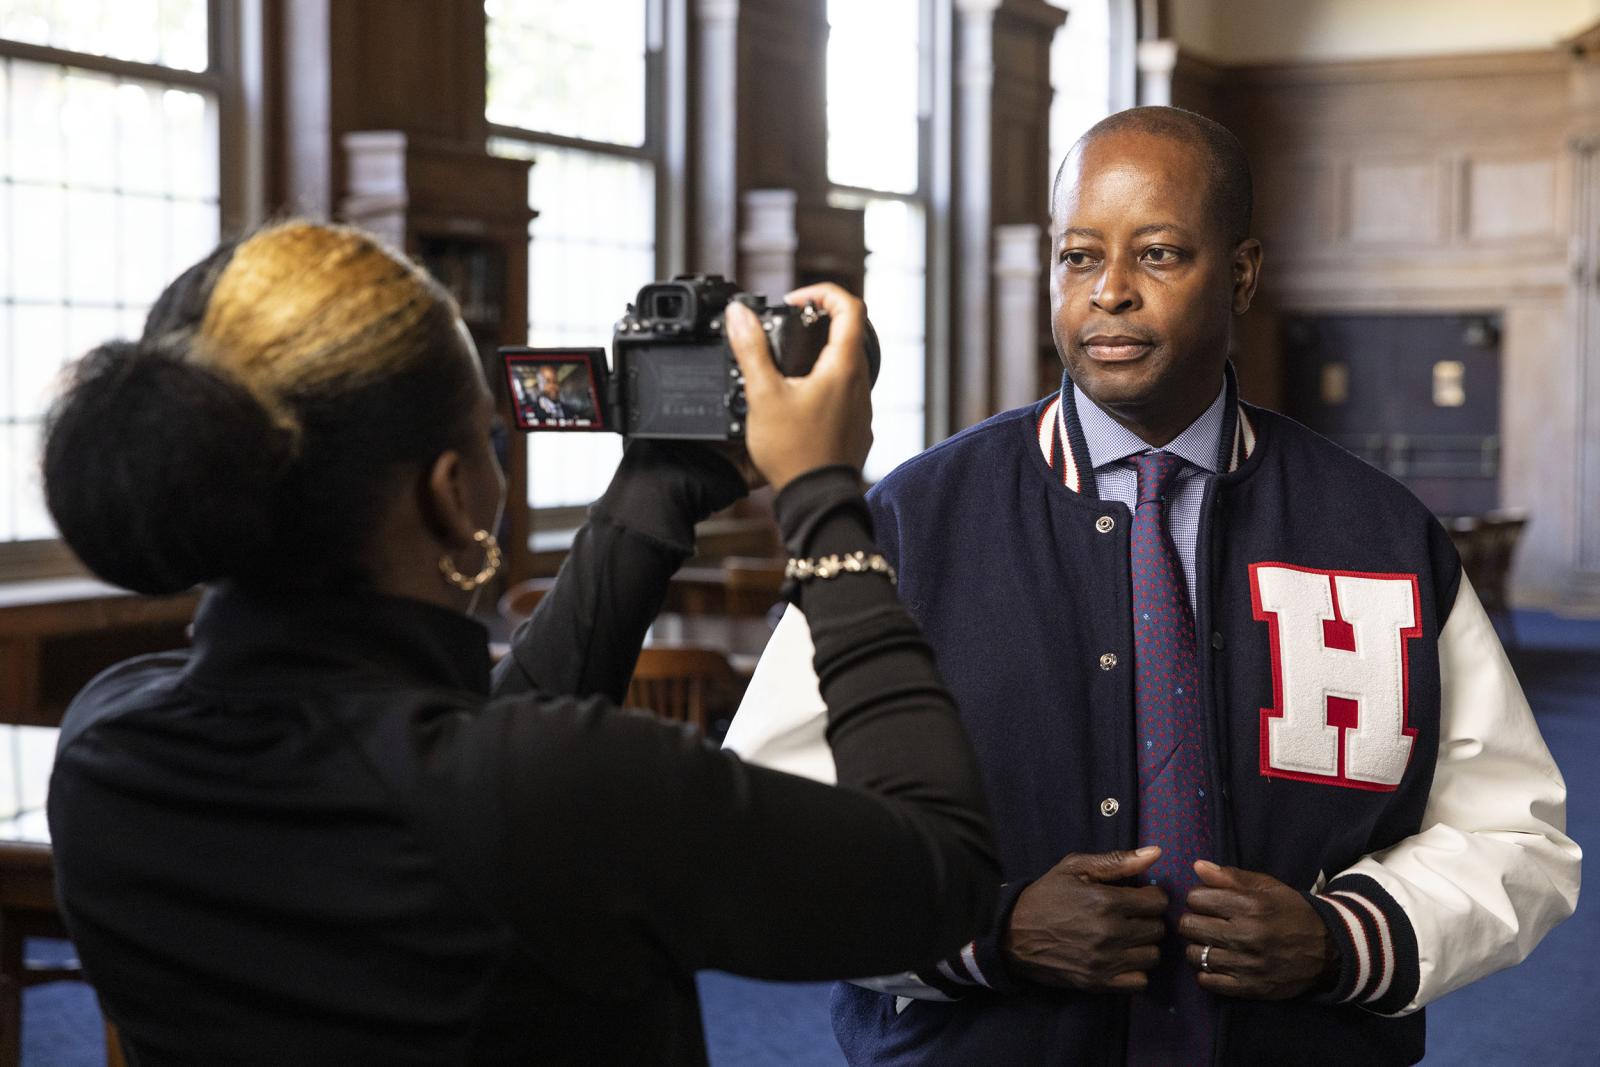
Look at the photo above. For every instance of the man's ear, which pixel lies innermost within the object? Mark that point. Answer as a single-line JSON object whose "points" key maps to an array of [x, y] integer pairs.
{"points": [[444, 501], [1246, 273]]}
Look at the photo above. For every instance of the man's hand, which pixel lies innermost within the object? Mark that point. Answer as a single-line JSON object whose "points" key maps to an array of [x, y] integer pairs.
{"points": [[1266, 942], [1072, 928], [825, 418]]}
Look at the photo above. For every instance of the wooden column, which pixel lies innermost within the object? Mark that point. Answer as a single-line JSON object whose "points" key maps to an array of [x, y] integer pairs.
{"points": [[1019, 282], [419, 67], [760, 147], [1001, 171]]}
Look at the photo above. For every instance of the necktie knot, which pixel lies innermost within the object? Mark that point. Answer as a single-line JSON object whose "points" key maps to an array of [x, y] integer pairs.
{"points": [[1157, 472]]}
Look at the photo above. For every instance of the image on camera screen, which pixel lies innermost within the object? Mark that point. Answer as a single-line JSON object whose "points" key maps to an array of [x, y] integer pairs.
{"points": [[557, 390]]}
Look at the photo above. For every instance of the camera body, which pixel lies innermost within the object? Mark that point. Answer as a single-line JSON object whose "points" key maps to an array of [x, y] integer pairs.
{"points": [[673, 375]]}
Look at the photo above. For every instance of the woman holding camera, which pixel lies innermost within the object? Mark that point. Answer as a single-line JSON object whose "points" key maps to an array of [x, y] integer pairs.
{"points": [[329, 833]]}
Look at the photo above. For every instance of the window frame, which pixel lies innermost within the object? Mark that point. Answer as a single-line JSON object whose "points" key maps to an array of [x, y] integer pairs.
{"points": [[665, 149], [233, 55]]}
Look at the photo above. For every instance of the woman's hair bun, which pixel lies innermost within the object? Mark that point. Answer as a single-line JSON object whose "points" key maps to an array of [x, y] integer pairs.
{"points": [[161, 473]]}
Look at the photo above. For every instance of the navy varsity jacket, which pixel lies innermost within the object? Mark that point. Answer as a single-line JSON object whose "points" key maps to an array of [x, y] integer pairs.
{"points": [[1366, 740]]}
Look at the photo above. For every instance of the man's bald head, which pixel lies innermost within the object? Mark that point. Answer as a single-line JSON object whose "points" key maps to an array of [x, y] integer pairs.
{"points": [[1218, 149]]}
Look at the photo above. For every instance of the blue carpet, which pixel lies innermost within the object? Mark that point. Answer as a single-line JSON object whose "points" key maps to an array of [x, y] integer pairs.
{"points": [[1539, 1013], [1543, 1011]]}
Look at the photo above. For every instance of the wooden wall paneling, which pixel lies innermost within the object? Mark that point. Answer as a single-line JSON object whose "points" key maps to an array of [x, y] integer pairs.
{"points": [[1395, 201], [1297, 201], [1435, 185], [1513, 197]]}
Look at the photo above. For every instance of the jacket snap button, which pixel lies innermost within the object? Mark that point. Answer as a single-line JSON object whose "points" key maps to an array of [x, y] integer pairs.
{"points": [[1108, 661], [1109, 806], [1105, 524]]}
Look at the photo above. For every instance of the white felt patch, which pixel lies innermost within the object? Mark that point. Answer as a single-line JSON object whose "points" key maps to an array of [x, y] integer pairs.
{"points": [[1339, 674]]}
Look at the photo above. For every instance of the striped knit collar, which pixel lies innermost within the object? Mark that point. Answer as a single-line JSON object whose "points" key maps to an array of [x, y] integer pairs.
{"points": [[1061, 438]]}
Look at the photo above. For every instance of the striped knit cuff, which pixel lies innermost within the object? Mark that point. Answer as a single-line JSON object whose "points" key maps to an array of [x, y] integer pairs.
{"points": [[1378, 967], [980, 964]]}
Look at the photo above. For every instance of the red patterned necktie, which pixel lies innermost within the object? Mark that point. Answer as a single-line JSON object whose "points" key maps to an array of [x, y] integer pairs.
{"points": [[1171, 1021]]}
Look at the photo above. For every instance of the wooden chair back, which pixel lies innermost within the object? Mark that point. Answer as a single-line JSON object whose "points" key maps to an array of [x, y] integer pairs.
{"points": [[1487, 543], [28, 909], [753, 584], [518, 602], [692, 685]]}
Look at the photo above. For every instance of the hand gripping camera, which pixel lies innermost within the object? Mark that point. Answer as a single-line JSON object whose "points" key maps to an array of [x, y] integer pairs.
{"points": [[672, 375]]}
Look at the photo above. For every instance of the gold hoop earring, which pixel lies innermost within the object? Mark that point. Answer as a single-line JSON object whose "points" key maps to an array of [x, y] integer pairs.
{"points": [[492, 560]]}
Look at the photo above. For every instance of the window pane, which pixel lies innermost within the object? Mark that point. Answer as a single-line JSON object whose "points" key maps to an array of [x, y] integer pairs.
{"points": [[591, 249], [571, 67], [8, 485], [141, 139], [108, 188], [32, 517], [193, 154], [88, 121], [35, 132], [874, 67], [170, 33], [196, 229], [40, 346], [143, 234], [91, 224], [38, 227]]}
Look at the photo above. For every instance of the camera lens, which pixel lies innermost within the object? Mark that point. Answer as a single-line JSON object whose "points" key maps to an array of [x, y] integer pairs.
{"points": [[669, 307]]}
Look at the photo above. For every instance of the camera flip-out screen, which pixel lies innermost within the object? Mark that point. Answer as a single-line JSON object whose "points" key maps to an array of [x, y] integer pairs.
{"points": [[557, 388]]}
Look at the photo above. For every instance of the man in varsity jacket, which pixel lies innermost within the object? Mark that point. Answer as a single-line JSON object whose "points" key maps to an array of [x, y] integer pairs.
{"points": [[1365, 815]]}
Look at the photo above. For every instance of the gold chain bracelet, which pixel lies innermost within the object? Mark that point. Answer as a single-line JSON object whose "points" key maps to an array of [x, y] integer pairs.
{"points": [[803, 570]]}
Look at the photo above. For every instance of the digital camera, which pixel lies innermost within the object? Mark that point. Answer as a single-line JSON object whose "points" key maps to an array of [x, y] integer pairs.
{"points": [[672, 373]]}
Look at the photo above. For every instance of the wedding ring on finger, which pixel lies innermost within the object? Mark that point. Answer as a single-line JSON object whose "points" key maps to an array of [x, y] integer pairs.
{"points": [[1205, 958]]}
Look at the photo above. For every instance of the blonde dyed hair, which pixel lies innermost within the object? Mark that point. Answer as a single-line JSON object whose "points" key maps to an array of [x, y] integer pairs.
{"points": [[307, 308]]}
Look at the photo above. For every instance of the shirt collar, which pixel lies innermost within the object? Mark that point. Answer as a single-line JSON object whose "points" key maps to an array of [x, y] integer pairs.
{"points": [[1110, 442], [270, 638]]}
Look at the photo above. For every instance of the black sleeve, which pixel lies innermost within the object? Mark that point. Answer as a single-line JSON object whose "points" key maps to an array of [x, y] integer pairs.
{"points": [[585, 635], [633, 847]]}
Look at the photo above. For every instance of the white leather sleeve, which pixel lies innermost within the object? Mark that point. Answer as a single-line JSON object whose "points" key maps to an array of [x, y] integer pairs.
{"points": [[782, 720], [1492, 870]]}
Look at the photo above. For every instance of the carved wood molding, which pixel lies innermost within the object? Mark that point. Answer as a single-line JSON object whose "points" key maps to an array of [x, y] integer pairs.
{"points": [[1406, 69], [1585, 44]]}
